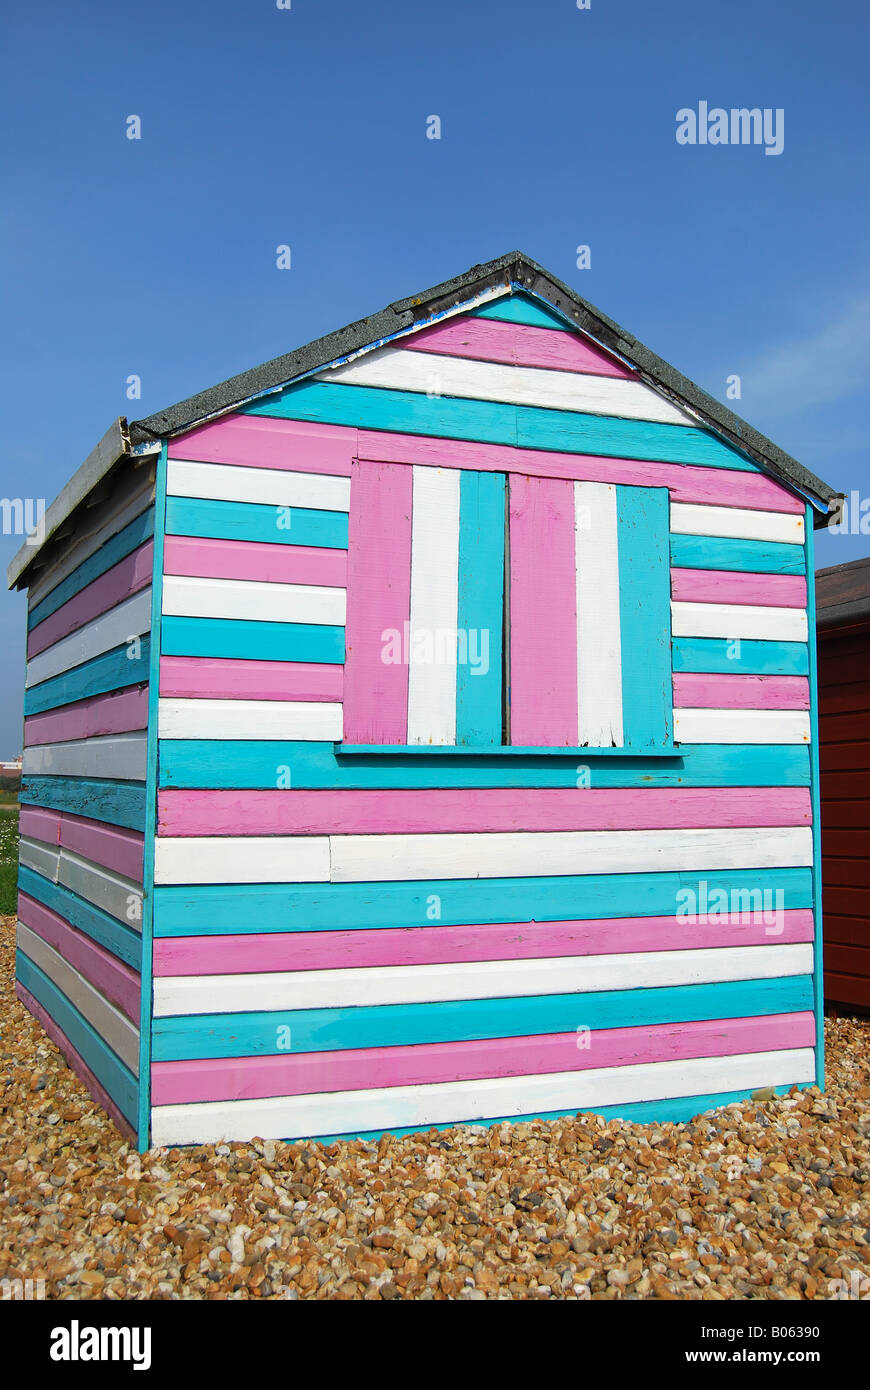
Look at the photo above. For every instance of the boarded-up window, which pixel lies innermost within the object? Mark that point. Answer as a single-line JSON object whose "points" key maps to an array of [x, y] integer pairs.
{"points": [[486, 610]]}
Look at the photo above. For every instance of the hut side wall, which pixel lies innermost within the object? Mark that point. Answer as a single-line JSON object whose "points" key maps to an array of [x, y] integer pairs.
{"points": [[83, 798], [844, 727], [388, 939]]}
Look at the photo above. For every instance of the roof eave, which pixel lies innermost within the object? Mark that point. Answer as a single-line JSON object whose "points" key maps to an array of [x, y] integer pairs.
{"points": [[113, 446], [513, 271]]}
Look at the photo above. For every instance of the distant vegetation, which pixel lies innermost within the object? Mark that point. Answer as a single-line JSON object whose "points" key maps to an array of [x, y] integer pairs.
{"points": [[8, 861], [9, 789]]}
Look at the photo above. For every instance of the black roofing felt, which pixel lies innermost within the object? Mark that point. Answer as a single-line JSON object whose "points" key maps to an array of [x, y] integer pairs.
{"points": [[517, 272]]}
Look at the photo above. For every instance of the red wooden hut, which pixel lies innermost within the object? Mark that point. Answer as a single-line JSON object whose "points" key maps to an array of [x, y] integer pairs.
{"points": [[843, 625]]}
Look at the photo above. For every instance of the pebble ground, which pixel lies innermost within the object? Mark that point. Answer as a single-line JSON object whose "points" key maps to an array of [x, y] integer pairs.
{"points": [[766, 1199]]}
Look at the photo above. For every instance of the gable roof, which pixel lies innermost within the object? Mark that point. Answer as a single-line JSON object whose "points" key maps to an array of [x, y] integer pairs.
{"points": [[509, 274]]}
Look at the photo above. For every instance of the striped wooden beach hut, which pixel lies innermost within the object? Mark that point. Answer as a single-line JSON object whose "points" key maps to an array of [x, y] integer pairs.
{"points": [[420, 728]]}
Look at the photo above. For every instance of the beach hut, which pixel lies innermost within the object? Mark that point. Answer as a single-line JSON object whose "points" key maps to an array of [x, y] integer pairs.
{"points": [[843, 621], [419, 730]]}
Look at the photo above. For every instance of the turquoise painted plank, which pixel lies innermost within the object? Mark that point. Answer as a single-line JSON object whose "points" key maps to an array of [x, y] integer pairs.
{"points": [[408, 412], [107, 1067], [251, 521], [492, 422], [108, 931], [740, 657], [140, 529], [116, 803], [565, 431], [238, 638], [723, 553], [143, 1119], [328, 1030], [643, 519], [674, 1111], [818, 961], [518, 308], [252, 763], [215, 909], [480, 608], [114, 670]]}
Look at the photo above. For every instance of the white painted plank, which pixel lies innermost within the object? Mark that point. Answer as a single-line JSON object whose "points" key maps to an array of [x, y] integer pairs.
{"points": [[370, 858], [344, 1112], [731, 620], [242, 859], [434, 605], [420, 984], [401, 370], [92, 530], [250, 719], [741, 726], [599, 654], [113, 893], [38, 855], [253, 600], [122, 757], [739, 523], [113, 1027], [126, 620], [269, 486]]}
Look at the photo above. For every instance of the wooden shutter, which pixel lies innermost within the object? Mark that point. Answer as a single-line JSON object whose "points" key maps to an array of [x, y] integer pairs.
{"points": [[590, 662], [425, 606]]}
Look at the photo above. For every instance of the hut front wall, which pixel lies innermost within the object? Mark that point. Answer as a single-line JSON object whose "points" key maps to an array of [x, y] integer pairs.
{"points": [[83, 792], [389, 937]]}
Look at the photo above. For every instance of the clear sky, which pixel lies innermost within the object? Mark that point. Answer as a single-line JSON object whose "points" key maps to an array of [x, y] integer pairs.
{"points": [[306, 126]]}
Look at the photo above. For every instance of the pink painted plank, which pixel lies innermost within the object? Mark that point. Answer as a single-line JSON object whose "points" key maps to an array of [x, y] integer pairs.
{"points": [[267, 811], [248, 1078], [75, 1062], [699, 691], [119, 712], [124, 579], [379, 601], [492, 341], [258, 442], [543, 613], [192, 677], [269, 443], [38, 823], [725, 586], [723, 487], [111, 846], [437, 945], [115, 980], [280, 564]]}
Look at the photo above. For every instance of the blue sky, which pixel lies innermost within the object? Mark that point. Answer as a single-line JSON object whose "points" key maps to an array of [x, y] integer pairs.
{"points": [[307, 127]]}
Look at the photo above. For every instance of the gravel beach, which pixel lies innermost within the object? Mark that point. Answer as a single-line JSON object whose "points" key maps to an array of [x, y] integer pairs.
{"points": [[768, 1199]]}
